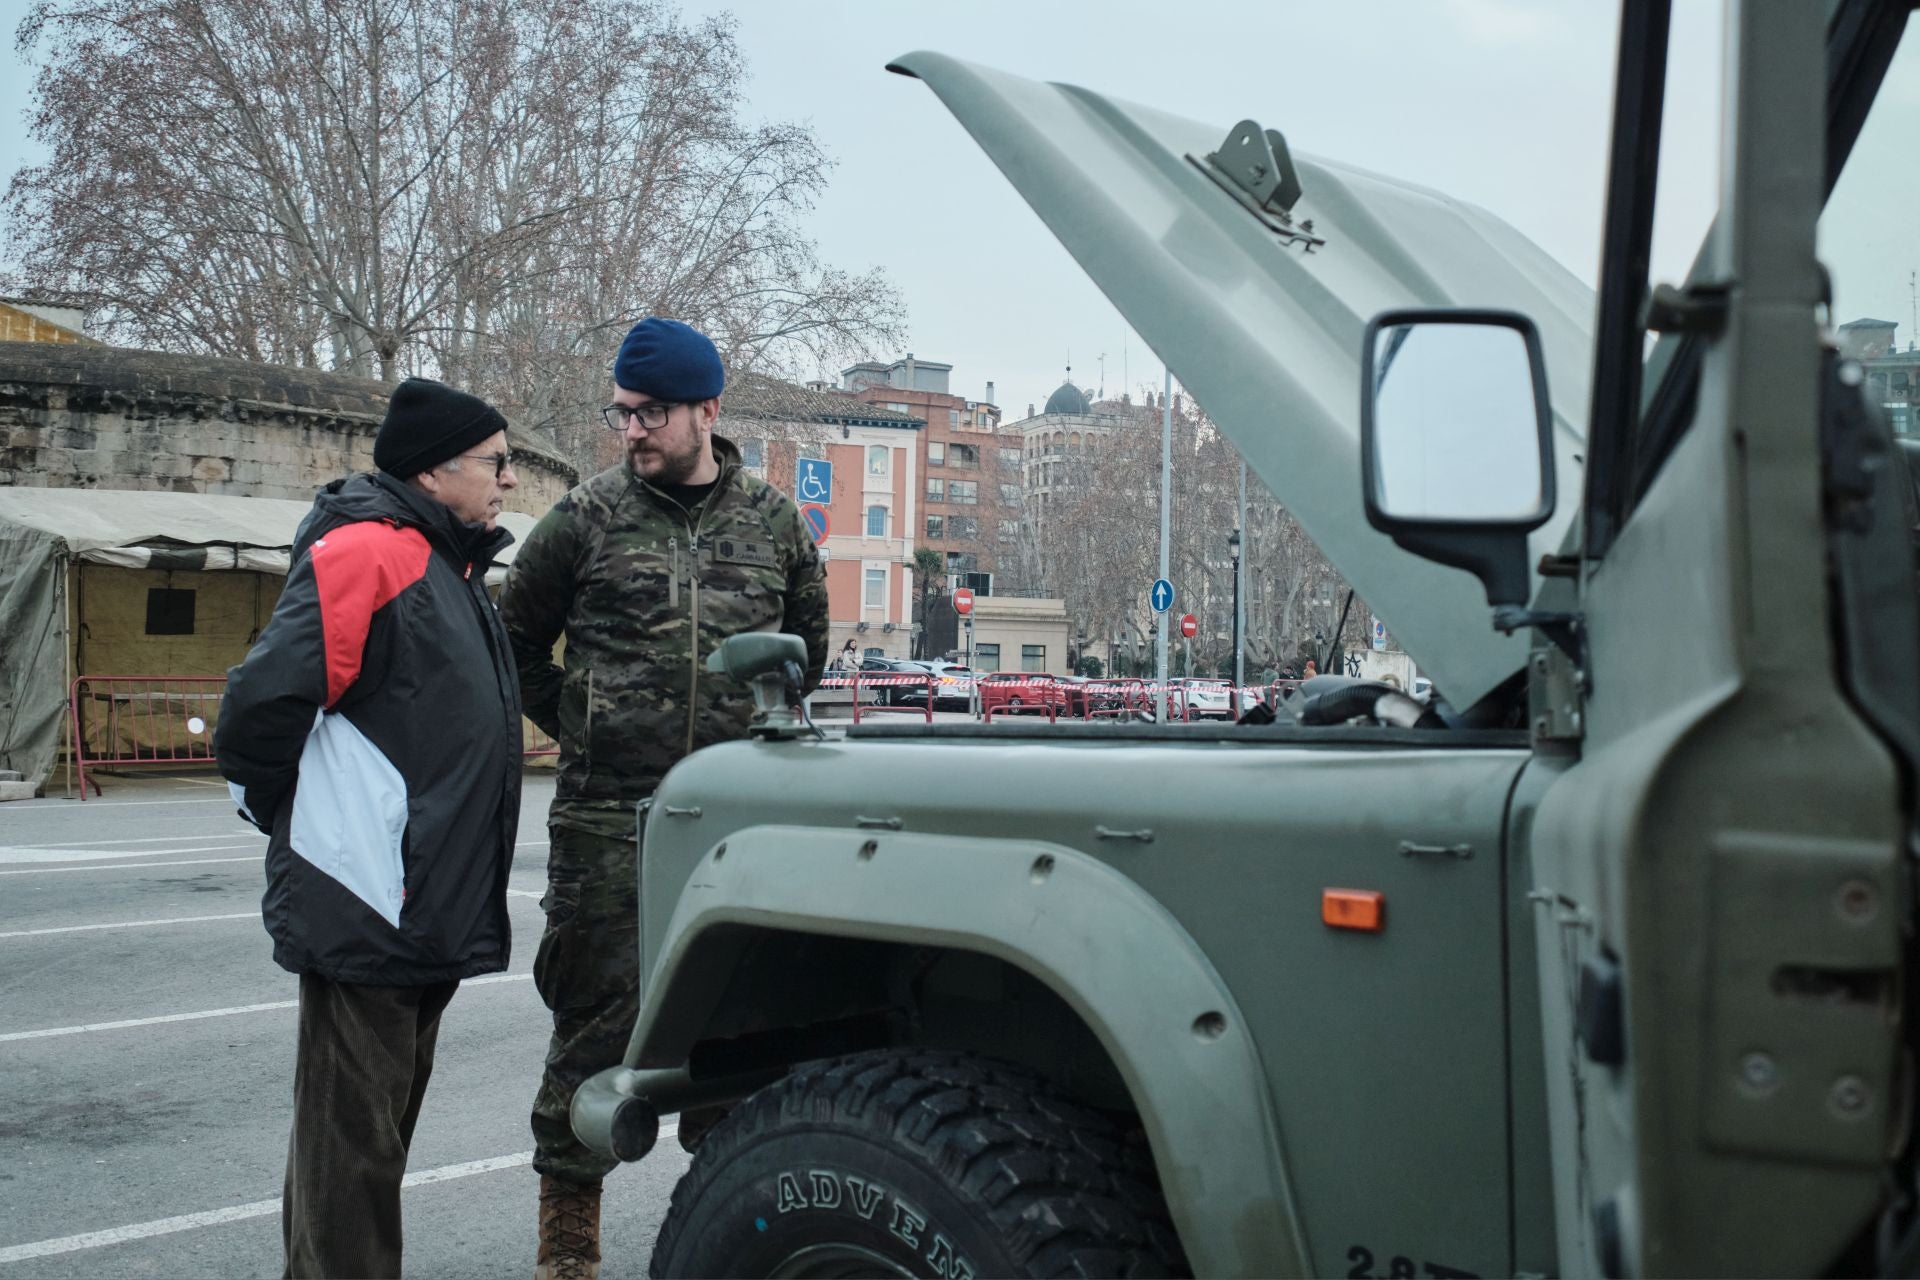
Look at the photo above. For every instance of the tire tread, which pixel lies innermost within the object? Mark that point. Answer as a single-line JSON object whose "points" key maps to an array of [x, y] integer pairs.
{"points": [[1072, 1191]]}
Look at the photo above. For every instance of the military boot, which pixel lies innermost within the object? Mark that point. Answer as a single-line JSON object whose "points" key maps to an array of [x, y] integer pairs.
{"points": [[569, 1232]]}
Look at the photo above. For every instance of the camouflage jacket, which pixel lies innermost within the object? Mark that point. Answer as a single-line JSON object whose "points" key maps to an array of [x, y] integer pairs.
{"points": [[643, 590]]}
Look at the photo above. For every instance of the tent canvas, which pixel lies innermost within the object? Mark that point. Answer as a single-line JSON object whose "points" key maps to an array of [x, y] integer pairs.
{"points": [[47, 537]]}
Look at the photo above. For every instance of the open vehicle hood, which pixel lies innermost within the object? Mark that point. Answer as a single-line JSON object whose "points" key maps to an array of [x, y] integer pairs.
{"points": [[1267, 338]]}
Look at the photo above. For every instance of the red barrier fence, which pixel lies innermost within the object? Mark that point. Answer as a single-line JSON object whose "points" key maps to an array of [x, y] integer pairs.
{"points": [[859, 680], [127, 720], [119, 721]]}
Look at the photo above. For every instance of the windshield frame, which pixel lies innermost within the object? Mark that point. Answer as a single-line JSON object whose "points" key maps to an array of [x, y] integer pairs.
{"points": [[1642, 408]]}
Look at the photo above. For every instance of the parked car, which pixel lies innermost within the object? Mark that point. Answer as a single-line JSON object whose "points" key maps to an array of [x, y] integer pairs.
{"points": [[903, 692], [1206, 699], [953, 685], [1003, 691]]}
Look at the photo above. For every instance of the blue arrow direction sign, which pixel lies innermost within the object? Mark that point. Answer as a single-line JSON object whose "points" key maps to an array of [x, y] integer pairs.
{"points": [[1161, 596]]}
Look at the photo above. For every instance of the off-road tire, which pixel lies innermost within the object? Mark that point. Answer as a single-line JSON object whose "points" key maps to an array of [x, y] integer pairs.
{"points": [[917, 1163]]}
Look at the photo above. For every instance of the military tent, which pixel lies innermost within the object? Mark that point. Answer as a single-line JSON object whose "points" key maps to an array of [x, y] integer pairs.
{"points": [[102, 582]]}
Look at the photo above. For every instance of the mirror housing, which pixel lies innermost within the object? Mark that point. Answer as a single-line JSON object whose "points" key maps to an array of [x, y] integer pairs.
{"points": [[1457, 385], [774, 666]]}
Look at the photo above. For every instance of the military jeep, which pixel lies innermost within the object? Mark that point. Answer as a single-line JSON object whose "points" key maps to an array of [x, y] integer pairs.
{"points": [[1600, 963]]}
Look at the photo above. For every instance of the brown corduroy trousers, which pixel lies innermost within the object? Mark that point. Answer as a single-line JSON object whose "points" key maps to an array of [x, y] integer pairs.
{"points": [[360, 1074]]}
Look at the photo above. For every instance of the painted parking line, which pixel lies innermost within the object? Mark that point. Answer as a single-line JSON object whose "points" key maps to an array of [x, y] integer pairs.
{"points": [[21, 853], [258, 1209], [47, 1033], [89, 844], [53, 802], [125, 866], [129, 924]]}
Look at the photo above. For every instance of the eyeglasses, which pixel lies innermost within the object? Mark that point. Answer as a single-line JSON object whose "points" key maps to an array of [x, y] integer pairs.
{"points": [[653, 415], [500, 461]]}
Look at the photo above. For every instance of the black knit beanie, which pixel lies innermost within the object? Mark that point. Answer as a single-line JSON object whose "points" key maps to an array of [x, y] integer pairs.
{"points": [[429, 422]]}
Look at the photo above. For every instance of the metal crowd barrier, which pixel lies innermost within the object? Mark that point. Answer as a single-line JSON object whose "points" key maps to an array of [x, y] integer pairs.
{"points": [[121, 721], [129, 720], [859, 680]]}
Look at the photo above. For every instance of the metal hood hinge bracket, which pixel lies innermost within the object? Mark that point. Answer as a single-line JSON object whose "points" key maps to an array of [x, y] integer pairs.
{"points": [[1254, 167]]}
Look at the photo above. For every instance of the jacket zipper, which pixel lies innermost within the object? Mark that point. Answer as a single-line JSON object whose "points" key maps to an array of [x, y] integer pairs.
{"points": [[673, 573]]}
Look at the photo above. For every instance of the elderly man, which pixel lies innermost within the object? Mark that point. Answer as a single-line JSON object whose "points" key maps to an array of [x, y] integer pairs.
{"points": [[373, 733], [644, 569]]}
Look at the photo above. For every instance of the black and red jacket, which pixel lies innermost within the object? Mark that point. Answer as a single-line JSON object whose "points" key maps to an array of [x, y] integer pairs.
{"points": [[373, 732]]}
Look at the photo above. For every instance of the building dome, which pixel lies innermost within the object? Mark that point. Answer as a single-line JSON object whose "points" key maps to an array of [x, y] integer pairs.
{"points": [[1067, 399]]}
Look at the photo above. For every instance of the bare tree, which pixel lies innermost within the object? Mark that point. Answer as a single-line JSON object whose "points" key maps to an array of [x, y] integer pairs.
{"points": [[1096, 544], [490, 190]]}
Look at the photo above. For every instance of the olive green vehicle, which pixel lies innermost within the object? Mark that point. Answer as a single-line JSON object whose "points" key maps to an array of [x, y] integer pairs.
{"points": [[1601, 965]]}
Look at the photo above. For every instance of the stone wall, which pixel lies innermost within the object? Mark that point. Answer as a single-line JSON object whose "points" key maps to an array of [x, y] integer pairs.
{"points": [[96, 417]]}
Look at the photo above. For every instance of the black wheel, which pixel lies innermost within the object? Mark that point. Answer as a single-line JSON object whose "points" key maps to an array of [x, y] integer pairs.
{"points": [[900, 1163]]}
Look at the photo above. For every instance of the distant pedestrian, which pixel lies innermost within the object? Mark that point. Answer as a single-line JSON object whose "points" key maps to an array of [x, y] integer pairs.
{"points": [[1309, 671], [373, 733], [848, 659]]}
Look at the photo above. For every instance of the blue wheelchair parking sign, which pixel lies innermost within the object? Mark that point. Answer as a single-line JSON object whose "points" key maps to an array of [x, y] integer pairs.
{"points": [[814, 481]]}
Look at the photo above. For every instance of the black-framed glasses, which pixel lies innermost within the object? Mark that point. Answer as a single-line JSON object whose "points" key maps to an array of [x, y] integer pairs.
{"points": [[500, 461], [652, 415]]}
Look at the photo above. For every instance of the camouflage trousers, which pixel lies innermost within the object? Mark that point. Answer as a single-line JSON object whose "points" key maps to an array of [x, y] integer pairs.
{"points": [[587, 971]]}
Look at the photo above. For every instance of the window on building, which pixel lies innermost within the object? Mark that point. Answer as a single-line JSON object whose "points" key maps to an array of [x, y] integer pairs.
{"points": [[986, 657], [953, 417], [936, 453], [753, 453], [897, 407], [962, 491], [1009, 530], [873, 651], [1010, 457], [936, 489], [963, 528], [962, 562], [1033, 657], [962, 455], [876, 597], [936, 527], [876, 522], [169, 612], [1010, 494], [877, 458]]}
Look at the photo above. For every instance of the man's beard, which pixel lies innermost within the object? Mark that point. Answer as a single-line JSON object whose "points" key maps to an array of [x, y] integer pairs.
{"points": [[671, 467]]}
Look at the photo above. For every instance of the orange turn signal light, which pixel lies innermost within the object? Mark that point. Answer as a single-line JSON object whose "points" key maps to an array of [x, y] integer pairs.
{"points": [[1362, 909]]}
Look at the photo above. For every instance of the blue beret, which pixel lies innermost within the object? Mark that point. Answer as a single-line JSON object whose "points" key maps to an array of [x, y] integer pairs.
{"points": [[669, 360]]}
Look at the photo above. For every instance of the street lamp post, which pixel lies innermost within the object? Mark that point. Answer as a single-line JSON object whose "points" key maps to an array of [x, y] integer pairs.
{"points": [[1239, 663]]}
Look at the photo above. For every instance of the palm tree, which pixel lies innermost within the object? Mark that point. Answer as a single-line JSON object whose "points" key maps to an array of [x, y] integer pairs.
{"points": [[930, 572]]}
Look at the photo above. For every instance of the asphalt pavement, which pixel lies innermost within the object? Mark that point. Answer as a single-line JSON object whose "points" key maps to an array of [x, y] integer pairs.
{"points": [[146, 1058]]}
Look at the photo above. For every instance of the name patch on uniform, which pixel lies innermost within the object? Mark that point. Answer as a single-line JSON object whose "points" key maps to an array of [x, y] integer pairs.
{"points": [[731, 550]]}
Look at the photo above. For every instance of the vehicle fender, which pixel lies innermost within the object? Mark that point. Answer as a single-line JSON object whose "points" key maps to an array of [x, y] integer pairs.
{"points": [[1109, 950]]}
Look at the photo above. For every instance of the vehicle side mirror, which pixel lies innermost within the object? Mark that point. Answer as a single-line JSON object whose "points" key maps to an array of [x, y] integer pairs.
{"points": [[1456, 441]]}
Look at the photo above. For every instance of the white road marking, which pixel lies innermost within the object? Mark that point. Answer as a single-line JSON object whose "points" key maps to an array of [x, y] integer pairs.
{"points": [[125, 866], [89, 844], [524, 893], [258, 1209], [15, 853], [51, 802], [125, 1023], [128, 924], [528, 844]]}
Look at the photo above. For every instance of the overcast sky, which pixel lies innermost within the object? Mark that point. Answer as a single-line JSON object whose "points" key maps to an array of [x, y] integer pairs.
{"points": [[1504, 103]]}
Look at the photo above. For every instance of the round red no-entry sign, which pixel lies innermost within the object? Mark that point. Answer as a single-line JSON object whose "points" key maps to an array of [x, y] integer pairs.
{"points": [[962, 600], [1189, 625]]}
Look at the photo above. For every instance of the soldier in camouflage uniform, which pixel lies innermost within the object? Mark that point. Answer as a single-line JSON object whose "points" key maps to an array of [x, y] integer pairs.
{"points": [[645, 569]]}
